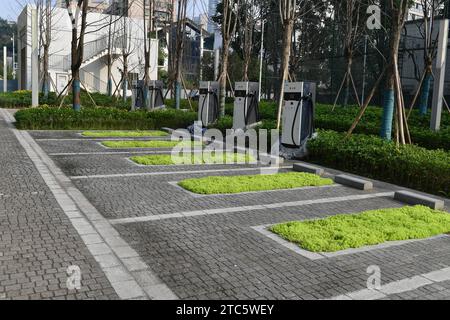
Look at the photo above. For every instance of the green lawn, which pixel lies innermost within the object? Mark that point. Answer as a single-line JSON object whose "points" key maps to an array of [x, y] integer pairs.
{"points": [[153, 160], [367, 228], [238, 184], [147, 144], [124, 134]]}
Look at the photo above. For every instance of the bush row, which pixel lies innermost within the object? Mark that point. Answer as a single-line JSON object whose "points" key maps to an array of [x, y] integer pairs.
{"points": [[50, 118], [410, 166], [22, 99]]}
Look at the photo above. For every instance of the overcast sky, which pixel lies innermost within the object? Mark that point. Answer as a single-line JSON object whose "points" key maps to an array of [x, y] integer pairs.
{"points": [[10, 9]]}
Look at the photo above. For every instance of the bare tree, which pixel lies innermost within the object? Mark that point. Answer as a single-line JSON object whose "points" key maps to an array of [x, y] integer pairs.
{"points": [[351, 17], [81, 8], [397, 11], [430, 10], [229, 23], [288, 14], [45, 26], [251, 12], [179, 48]]}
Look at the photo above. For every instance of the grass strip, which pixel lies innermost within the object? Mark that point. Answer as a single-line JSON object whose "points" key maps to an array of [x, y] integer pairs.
{"points": [[249, 183], [148, 144], [124, 134], [192, 158], [368, 228]]}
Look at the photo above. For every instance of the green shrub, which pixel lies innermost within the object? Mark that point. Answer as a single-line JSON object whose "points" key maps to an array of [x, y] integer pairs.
{"points": [[409, 166], [47, 118], [22, 99]]}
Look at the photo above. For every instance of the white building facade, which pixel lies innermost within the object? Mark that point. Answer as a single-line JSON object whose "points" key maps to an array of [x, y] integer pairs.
{"points": [[127, 35]]}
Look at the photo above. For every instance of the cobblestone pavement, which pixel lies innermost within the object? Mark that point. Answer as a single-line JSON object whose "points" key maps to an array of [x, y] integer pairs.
{"points": [[37, 241], [205, 247]]}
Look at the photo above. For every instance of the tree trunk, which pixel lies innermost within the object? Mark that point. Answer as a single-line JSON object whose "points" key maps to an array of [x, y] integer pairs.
{"points": [[76, 89], [46, 80], [347, 81], [425, 90], [223, 77], [125, 77], [287, 39], [389, 92]]}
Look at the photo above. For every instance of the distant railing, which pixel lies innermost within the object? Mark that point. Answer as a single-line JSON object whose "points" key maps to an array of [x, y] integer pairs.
{"points": [[93, 48]]}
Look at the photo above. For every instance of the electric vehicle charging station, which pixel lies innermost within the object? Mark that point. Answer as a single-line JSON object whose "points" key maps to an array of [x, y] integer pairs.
{"points": [[156, 96], [137, 97], [298, 114], [208, 103], [246, 105]]}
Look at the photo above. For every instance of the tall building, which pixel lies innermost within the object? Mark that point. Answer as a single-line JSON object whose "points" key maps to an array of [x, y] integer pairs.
{"points": [[93, 5], [165, 10], [416, 10], [212, 11]]}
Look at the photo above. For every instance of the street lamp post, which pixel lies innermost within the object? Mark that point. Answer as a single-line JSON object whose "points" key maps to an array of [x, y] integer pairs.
{"points": [[13, 57]]}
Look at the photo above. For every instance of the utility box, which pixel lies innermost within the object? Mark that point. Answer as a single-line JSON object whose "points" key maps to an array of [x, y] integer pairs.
{"points": [[208, 103], [246, 105], [156, 95], [298, 113]]}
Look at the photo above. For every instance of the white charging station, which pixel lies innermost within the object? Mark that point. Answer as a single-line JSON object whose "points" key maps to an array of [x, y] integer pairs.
{"points": [[156, 95], [246, 105], [298, 113], [208, 103]]}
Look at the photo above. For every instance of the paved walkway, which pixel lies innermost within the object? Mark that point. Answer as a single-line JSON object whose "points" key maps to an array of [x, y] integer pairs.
{"points": [[168, 243]]}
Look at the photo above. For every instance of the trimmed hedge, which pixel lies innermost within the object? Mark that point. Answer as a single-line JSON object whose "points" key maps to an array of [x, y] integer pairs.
{"points": [[410, 166], [47, 118], [22, 99], [341, 120]]}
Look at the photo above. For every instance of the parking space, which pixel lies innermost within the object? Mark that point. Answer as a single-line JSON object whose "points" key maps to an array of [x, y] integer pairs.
{"points": [[205, 247]]}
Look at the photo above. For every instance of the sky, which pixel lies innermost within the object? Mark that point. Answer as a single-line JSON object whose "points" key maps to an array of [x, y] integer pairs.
{"points": [[10, 9]]}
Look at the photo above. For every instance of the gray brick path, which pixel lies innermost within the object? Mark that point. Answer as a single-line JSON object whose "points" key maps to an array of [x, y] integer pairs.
{"points": [[220, 256], [37, 240]]}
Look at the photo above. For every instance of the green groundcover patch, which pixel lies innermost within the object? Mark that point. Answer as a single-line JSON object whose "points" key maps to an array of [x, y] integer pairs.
{"points": [[193, 158], [124, 134], [237, 184], [148, 144], [368, 228]]}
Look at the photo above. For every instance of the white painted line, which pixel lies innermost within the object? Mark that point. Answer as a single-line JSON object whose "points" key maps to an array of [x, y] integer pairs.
{"points": [[264, 230], [101, 239], [397, 287], [197, 195], [248, 208], [166, 173]]}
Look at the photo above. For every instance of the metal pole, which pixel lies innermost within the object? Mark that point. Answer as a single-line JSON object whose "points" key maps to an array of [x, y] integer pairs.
{"points": [[5, 71], [261, 60], [34, 60], [14, 57], [439, 80], [364, 71]]}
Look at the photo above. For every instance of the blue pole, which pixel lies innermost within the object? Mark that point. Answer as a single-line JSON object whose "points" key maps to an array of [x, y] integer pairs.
{"points": [[388, 114], [423, 105], [76, 88]]}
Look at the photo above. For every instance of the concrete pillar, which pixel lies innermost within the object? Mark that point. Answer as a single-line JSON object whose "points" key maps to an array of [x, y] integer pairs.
{"points": [[5, 71], [439, 79], [34, 60]]}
